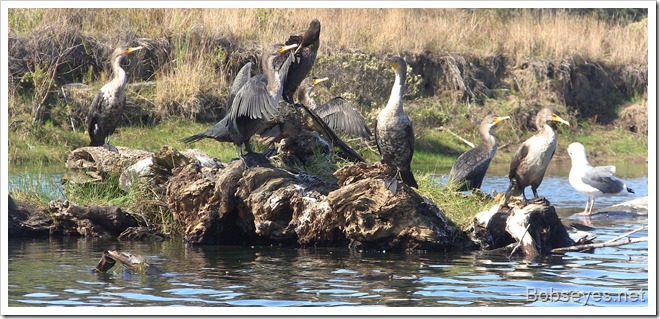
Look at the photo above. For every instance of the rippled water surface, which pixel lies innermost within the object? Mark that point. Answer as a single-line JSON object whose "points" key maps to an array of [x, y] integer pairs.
{"points": [[57, 272]]}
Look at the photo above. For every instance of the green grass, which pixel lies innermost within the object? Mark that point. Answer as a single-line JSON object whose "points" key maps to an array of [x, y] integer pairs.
{"points": [[457, 207]]}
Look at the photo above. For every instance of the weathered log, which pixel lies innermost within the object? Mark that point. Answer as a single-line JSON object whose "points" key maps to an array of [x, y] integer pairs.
{"points": [[535, 229], [94, 164], [372, 217], [201, 200], [27, 221], [277, 205], [132, 262], [94, 221]]}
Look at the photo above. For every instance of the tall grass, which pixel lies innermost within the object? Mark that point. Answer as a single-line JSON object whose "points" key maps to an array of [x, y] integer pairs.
{"points": [[528, 33]]}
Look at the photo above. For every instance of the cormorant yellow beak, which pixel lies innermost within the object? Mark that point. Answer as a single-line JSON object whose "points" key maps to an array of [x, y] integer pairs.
{"points": [[286, 48], [500, 119], [394, 64], [317, 81], [133, 49], [556, 118]]}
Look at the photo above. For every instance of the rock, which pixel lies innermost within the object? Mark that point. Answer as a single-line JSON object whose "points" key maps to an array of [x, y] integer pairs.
{"points": [[637, 206], [138, 171]]}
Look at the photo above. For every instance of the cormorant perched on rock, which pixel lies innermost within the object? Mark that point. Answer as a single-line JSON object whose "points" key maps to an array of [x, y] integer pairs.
{"points": [[255, 107], [304, 57], [337, 113], [107, 108], [533, 156], [470, 168], [593, 181], [220, 130], [394, 130]]}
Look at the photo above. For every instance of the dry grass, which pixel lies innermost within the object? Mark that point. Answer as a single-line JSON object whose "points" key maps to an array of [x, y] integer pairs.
{"points": [[528, 34]]}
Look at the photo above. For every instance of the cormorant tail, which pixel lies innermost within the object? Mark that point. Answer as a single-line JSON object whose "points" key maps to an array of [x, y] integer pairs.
{"points": [[408, 178], [194, 138]]}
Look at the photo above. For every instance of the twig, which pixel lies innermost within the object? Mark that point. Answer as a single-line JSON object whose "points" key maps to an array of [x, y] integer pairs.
{"points": [[442, 128], [627, 234], [599, 245], [520, 241]]}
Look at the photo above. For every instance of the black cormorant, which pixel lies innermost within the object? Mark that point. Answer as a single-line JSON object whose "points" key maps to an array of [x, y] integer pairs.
{"points": [[255, 108], [107, 108], [470, 168], [394, 130], [304, 57], [337, 113], [533, 156]]}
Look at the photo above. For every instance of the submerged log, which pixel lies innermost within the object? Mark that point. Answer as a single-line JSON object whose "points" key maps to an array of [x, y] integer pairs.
{"points": [[132, 262], [535, 229]]}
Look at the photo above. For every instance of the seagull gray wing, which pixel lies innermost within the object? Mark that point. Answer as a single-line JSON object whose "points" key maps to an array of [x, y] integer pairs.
{"points": [[601, 178]]}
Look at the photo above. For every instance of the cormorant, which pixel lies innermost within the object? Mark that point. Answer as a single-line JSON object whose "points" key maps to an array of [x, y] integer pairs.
{"points": [[107, 108], [470, 168], [304, 57], [593, 181], [533, 156], [394, 130], [220, 130], [337, 113], [255, 107]]}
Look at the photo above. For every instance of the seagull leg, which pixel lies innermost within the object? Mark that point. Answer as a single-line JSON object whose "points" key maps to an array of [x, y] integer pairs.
{"points": [[586, 208], [591, 207]]}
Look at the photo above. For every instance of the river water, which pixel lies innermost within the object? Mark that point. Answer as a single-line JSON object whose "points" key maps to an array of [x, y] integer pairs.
{"points": [[56, 272]]}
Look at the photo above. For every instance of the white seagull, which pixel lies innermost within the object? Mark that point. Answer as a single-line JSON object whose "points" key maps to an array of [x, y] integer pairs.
{"points": [[593, 181]]}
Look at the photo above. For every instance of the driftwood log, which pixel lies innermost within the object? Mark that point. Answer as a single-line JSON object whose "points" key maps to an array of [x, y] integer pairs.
{"points": [[534, 229], [218, 203]]}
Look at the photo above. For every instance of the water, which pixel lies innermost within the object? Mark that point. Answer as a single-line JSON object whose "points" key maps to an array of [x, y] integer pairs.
{"points": [[56, 272]]}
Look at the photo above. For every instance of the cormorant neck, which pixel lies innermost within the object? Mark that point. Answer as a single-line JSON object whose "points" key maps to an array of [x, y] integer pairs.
{"points": [[120, 74], [396, 97], [306, 99]]}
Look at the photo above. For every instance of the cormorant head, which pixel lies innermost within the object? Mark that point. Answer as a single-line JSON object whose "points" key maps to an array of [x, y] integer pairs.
{"points": [[493, 120], [397, 63], [546, 115], [312, 34]]}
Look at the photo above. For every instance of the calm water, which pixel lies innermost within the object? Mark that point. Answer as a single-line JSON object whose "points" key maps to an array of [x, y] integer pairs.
{"points": [[56, 272]]}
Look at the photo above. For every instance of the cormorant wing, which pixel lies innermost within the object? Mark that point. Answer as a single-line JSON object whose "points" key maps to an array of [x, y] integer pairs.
{"points": [[340, 115], [253, 101], [517, 159], [471, 165], [242, 77], [348, 152]]}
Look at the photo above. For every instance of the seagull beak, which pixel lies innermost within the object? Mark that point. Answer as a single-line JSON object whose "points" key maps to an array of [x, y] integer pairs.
{"points": [[133, 49], [556, 118], [317, 81], [286, 48], [500, 119]]}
